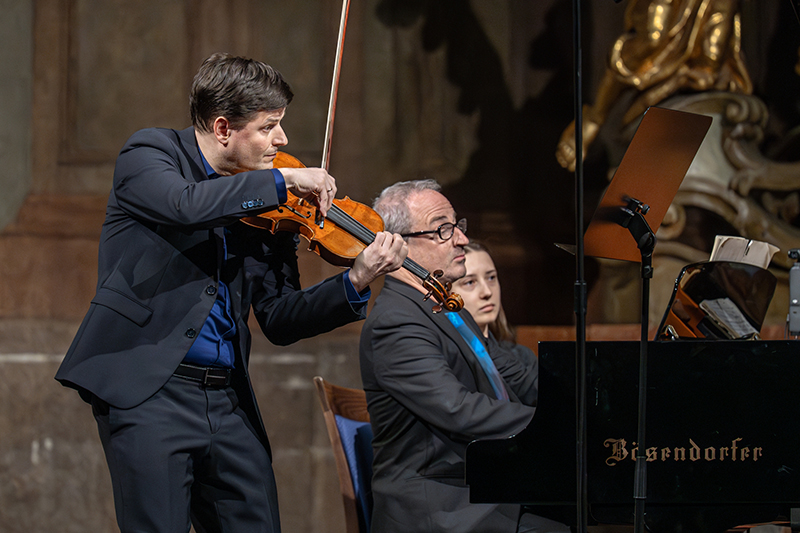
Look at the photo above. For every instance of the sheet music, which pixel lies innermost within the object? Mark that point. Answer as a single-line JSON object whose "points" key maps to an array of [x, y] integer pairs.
{"points": [[728, 317], [743, 250]]}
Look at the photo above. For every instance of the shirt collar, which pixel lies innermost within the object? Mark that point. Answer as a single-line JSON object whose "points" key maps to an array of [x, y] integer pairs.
{"points": [[209, 169]]}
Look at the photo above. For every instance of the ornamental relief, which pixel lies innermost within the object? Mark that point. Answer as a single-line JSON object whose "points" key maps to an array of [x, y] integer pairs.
{"points": [[687, 55]]}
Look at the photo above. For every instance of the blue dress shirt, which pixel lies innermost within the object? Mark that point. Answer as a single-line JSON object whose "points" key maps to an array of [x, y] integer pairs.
{"points": [[214, 345]]}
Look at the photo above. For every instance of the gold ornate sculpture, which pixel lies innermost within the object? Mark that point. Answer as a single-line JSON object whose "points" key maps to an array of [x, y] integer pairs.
{"points": [[667, 46], [686, 55]]}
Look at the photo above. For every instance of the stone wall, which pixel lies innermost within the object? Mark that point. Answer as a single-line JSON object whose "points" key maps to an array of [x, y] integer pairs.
{"points": [[53, 475]]}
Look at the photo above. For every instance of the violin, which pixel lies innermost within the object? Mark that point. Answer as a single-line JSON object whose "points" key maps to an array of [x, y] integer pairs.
{"points": [[349, 228]]}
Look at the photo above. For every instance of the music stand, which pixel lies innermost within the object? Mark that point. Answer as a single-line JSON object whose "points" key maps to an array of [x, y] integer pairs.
{"points": [[634, 204]]}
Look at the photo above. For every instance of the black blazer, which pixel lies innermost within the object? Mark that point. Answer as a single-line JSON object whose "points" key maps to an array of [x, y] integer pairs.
{"points": [[160, 264], [427, 398]]}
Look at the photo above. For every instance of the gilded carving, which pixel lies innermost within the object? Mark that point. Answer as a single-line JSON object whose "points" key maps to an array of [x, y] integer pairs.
{"points": [[686, 55], [667, 46]]}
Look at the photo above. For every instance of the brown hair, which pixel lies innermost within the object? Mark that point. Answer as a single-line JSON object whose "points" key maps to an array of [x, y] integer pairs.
{"points": [[500, 328], [235, 88]]}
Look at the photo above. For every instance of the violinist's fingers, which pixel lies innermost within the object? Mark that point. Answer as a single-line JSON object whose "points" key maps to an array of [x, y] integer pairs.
{"points": [[394, 247], [380, 238], [332, 186], [312, 184], [327, 194], [398, 249], [386, 254]]}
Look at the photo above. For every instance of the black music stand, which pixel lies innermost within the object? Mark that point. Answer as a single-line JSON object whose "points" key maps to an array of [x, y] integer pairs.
{"points": [[631, 210]]}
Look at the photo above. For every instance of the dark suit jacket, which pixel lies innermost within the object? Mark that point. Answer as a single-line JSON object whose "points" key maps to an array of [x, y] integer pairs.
{"points": [[428, 398], [160, 264]]}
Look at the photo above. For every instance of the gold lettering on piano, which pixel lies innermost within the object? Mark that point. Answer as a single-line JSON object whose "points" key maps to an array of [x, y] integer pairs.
{"points": [[618, 451], [734, 452]]}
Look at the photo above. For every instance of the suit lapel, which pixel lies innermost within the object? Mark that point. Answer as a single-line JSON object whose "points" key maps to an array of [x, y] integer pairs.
{"points": [[444, 324], [481, 379]]}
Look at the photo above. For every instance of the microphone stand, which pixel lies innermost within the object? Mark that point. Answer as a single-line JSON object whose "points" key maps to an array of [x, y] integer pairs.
{"points": [[633, 219], [580, 283]]}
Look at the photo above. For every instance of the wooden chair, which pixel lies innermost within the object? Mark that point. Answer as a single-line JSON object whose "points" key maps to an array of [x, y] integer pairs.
{"points": [[347, 422]]}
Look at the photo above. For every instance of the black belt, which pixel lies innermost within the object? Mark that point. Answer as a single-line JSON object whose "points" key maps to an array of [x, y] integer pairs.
{"points": [[208, 376]]}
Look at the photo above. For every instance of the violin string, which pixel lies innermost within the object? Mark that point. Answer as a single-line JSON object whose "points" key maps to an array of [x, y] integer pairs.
{"points": [[358, 230], [416, 269], [351, 225]]}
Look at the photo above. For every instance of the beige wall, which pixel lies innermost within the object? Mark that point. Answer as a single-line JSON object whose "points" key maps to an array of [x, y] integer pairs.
{"points": [[15, 105]]}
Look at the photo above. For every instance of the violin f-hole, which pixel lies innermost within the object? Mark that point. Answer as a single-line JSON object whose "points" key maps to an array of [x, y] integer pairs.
{"points": [[293, 210]]}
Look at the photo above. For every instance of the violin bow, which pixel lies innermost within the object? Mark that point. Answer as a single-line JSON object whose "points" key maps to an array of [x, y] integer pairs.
{"points": [[435, 288], [337, 69]]}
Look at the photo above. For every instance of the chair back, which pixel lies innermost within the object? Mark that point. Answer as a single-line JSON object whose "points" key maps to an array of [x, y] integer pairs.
{"points": [[347, 422]]}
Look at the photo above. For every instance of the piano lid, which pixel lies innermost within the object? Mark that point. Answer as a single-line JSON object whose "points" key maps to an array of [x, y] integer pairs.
{"points": [[718, 300]]}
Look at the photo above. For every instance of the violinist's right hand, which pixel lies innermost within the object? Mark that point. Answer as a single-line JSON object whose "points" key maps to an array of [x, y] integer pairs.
{"points": [[312, 184]]}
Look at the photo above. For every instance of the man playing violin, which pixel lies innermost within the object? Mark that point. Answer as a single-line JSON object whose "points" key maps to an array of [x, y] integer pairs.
{"points": [[162, 353], [432, 386]]}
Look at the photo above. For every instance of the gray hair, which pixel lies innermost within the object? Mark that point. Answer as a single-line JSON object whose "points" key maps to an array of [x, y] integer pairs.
{"points": [[392, 203]]}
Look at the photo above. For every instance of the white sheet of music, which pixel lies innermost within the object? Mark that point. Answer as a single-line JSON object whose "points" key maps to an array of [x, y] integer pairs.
{"points": [[728, 316], [743, 250]]}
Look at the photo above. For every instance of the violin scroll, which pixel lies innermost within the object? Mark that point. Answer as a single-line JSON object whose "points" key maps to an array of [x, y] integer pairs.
{"points": [[441, 293]]}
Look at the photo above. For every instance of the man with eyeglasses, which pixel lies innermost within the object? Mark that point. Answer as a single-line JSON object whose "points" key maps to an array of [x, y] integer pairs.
{"points": [[431, 385]]}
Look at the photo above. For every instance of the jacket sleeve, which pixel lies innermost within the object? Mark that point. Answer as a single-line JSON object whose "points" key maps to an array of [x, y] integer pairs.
{"points": [[285, 312], [156, 181], [519, 367]]}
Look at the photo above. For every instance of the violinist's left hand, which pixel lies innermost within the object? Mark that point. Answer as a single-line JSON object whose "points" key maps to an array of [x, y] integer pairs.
{"points": [[386, 254]]}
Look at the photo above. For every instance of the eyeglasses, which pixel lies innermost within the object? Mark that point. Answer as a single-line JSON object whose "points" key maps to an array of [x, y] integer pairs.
{"points": [[445, 231]]}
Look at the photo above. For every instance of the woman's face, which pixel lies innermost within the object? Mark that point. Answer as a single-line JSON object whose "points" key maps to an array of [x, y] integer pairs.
{"points": [[480, 289]]}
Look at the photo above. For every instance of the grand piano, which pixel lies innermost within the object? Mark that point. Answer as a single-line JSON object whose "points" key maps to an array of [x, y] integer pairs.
{"points": [[723, 436]]}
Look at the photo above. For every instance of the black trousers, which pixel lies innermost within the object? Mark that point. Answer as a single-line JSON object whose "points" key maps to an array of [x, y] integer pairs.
{"points": [[187, 454]]}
